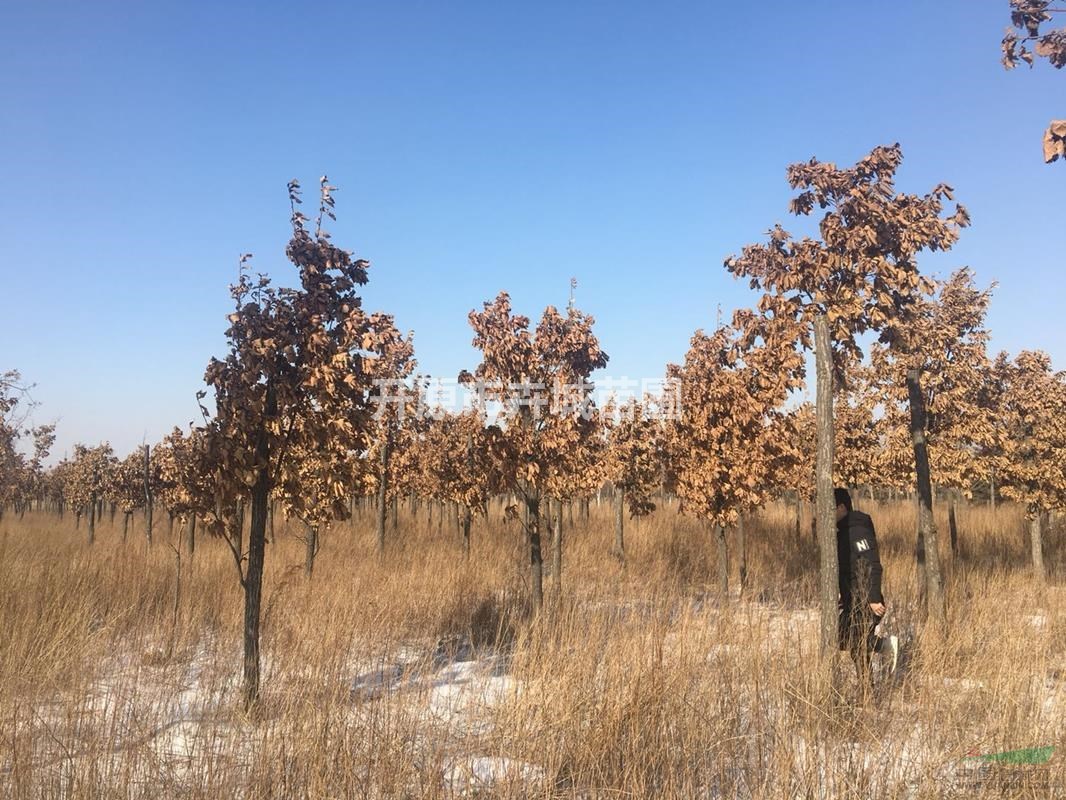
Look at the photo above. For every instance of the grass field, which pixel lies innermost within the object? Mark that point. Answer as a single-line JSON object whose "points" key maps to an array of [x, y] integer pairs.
{"points": [[422, 675]]}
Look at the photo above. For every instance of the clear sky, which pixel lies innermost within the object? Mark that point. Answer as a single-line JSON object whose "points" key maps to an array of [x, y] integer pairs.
{"points": [[478, 146]]}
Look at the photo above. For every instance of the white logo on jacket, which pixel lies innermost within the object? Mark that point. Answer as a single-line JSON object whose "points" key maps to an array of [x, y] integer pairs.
{"points": [[862, 545]]}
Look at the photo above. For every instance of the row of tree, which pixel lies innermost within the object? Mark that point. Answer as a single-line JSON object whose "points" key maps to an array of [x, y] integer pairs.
{"points": [[314, 403]]}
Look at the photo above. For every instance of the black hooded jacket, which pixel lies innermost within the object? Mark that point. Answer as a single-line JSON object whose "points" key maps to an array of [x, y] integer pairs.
{"points": [[859, 560]]}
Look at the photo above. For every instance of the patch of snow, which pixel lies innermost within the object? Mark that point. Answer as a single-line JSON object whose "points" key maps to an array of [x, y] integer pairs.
{"points": [[476, 774]]}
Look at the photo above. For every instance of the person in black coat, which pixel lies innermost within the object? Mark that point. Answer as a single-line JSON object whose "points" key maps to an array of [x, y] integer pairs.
{"points": [[862, 605]]}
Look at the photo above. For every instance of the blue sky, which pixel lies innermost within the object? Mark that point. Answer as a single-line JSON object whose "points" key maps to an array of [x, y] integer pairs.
{"points": [[477, 147]]}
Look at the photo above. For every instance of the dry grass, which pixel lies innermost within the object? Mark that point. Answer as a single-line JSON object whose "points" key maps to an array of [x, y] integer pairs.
{"points": [[422, 675]]}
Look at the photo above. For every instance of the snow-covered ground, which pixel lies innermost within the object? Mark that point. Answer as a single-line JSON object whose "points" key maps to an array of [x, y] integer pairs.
{"points": [[171, 722]]}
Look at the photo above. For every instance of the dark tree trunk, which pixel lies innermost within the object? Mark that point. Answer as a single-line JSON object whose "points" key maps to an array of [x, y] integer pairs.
{"points": [[536, 559], [192, 535], [311, 550], [383, 486], [824, 506], [742, 552], [1036, 546], [147, 496], [555, 512], [253, 580], [467, 515], [953, 526], [92, 520], [927, 538], [177, 601], [619, 526], [125, 525], [723, 563]]}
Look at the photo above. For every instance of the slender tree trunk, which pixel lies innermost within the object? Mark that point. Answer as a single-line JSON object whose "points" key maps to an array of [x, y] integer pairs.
{"points": [[825, 507], [742, 552], [382, 489], [723, 563], [92, 520], [619, 526], [799, 515], [253, 581], [926, 524], [175, 611], [992, 491], [192, 535], [147, 496], [953, 526], [125, 525], [467, 516], [536, 559], [311, 550], [1036, 546], [555, 511], [395, 521]]}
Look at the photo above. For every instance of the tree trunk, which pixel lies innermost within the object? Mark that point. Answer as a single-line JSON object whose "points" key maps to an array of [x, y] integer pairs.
{"points": [[382, 490], [742, 552], [992, 491], [147, 496], [253, 580], [799, 515], [1036, 545], [192, 535], [311, 550], [926, 525], [177, 601], [619, 526], [824, 506], [271, 524], [125, 525], [953, 527], [555, 512], [92, 520], [536, 560], [467, 515], [723, 564]]}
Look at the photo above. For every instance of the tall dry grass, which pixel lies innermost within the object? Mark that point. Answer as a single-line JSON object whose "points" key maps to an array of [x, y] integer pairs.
{"points": [[423, 675]]}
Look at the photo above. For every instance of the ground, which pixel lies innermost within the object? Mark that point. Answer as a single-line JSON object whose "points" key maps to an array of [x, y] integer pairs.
{"points": [[422, 674]]}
